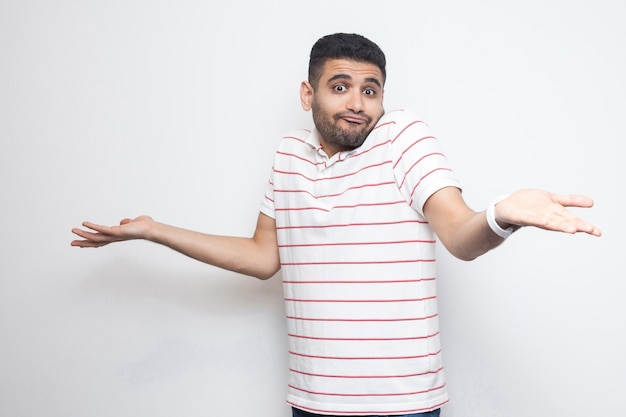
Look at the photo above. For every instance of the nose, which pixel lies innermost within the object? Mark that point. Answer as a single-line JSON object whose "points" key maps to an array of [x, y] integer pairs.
{"points": [[355, 101]]}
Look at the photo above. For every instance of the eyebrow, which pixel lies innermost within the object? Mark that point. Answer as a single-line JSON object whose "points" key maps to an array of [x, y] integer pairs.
{"points": [[347, 77]]}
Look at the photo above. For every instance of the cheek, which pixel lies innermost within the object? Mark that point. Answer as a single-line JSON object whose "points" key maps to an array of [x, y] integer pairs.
{"points": [[327, 106], [377, 110], [375, 105]]}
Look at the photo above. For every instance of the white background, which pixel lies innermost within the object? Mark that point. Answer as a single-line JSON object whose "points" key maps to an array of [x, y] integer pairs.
{"points": [[112, 109]]}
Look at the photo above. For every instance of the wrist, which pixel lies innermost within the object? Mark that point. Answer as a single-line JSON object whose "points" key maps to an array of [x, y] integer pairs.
{"points": [[155, 232], [498, 228]]}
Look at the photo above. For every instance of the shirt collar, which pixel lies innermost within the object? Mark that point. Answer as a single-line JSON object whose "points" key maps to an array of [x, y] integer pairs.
{"points": [[313, 140]]}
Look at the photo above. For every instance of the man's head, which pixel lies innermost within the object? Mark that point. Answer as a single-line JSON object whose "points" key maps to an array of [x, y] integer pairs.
{"points": [[348, 46], [345, 90]]}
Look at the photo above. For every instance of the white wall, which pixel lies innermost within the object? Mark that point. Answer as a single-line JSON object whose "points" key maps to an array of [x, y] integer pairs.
{"points": [[174, 108]]}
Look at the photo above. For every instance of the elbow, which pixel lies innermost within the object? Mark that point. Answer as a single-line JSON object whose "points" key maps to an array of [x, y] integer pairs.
{"points": [[266, 273], [469, 251], [264, 276], [263, 267], [464, 254], [465, 257], [469, 255]]}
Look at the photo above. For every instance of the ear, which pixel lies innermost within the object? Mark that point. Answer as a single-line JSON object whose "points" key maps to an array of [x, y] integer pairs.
{"points": [[306, 95]]}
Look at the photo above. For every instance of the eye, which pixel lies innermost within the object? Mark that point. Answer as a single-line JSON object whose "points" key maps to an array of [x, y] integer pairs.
{"points": [[340, 88], [369, 92]]}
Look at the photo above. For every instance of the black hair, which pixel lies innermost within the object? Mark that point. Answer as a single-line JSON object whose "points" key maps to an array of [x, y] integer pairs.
{"points": [[348, 46]]}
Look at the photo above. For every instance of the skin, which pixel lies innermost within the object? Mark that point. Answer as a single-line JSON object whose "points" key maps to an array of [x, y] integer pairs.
{"points": [[346, 104]]}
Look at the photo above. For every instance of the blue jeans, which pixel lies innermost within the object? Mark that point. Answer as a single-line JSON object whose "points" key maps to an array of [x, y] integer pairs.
{"points": [[300, 413]]}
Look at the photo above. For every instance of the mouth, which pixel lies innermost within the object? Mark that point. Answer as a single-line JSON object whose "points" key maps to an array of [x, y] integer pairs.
{"points": [[353, 119]]}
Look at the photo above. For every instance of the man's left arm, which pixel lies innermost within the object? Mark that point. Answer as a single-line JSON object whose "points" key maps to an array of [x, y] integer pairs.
{"points": [[467, 234]]}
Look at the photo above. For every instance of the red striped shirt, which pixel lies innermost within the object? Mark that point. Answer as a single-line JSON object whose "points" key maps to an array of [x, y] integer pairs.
{"points": [[358, 267]]}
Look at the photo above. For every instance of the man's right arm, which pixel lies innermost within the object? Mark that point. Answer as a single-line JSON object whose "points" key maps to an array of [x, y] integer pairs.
{"points": [[256, 256]]}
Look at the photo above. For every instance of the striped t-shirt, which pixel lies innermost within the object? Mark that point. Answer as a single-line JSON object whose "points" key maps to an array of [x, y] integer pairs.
{"points": [[358, 268]]}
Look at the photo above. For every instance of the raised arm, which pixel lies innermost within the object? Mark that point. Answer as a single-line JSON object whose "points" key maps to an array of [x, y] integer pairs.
{"points": [[467, 235], [256, 256]]}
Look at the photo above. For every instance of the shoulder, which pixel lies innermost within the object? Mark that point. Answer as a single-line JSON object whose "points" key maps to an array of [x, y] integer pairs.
{"points": [[396, 122], [295, 139], [401, 128], [401, 116]]}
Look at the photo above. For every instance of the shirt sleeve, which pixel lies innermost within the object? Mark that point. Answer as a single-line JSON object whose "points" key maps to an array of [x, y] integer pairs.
{"points": [[267, 204], [419, 162]]}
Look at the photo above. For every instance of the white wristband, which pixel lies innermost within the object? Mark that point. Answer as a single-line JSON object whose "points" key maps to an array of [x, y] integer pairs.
{"points": [[491, 219]]}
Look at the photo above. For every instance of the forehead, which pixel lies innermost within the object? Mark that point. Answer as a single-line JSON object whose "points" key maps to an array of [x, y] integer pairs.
{"points": [[353, 69]]}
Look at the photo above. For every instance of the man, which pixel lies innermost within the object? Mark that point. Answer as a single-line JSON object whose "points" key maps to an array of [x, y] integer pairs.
{"points": [[350, 216]]}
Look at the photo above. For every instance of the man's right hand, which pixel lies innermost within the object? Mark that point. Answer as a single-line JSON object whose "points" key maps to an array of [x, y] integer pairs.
{"points": [[95, 235], [256, 256]]}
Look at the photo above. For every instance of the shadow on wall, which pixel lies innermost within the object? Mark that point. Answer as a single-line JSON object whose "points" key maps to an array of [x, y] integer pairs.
{"points": [[212, 291]]}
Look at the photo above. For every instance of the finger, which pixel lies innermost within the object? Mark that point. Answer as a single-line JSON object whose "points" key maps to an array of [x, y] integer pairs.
{"points": [[573, 200], [106, 230], [88, 244], [572, 224], [85, 234], [97, 227], [100, 237], [588, 228]]}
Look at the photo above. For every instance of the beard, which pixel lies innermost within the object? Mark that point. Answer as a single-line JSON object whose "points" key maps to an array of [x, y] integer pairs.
{"points": [[347, 138]]}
